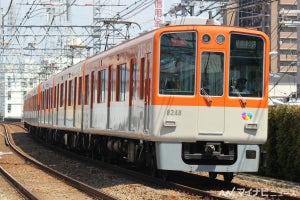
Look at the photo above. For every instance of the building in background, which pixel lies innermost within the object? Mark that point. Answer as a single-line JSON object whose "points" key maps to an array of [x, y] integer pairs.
{"points": [[270, 17]]}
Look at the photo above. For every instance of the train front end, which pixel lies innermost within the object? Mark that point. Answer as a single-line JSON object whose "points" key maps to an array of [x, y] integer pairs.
{"points": [[210, 98]]}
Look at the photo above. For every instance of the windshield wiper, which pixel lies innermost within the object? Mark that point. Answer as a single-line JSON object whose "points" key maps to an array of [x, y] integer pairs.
{"points": [[239, 95], [209, 99]]}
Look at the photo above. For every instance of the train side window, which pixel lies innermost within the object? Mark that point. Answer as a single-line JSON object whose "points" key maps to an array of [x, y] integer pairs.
{"points": [[177, 63], [121, 83], [61, 95], [142, 78], [79, 90], [87, 89], [212, 73]]}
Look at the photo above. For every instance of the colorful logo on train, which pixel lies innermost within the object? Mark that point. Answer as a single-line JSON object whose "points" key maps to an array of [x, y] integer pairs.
{"points": [[247, 116]]}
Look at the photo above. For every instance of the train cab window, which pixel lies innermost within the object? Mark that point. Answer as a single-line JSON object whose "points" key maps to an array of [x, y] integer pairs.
{"points": [[121, 83], [177, 63], [212, 73], [246, 66]]}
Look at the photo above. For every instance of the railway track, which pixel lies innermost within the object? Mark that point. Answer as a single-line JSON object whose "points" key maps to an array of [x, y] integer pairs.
{"points": [[71, 187], [176, 182], [147, 181]]}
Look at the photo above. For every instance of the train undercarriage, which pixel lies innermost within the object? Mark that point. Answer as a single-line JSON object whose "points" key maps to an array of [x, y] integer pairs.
{"points": [[139, 153]]}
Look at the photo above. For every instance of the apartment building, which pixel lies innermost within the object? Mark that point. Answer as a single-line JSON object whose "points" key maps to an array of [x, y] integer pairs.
{"points": [[269, 17]]}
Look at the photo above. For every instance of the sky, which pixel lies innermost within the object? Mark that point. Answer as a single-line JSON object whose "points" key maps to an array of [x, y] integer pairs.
{"points": [[83, 15], [138, 11]]}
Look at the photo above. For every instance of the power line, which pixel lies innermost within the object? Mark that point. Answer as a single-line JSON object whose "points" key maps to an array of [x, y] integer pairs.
{"points": [[11, 1]]}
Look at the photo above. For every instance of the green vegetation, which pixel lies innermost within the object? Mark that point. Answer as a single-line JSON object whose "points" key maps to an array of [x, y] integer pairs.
{"points": [[283, 145]]}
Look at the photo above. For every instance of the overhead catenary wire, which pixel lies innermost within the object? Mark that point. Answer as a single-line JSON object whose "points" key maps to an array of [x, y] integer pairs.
{"points": [[9, 7]]}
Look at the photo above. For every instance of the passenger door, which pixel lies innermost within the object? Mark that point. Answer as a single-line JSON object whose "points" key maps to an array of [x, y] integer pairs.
{"points": [[211, 109], [147, 93]]}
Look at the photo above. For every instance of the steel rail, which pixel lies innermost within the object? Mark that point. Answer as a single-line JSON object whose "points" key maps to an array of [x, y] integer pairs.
{"points": [[70, 181]]}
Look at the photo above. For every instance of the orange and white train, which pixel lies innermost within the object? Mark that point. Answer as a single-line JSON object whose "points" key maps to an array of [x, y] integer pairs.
{"points": [[181, 97]]}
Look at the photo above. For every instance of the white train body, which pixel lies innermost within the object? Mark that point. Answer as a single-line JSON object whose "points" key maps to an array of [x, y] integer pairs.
{"points": [[124, 98]]}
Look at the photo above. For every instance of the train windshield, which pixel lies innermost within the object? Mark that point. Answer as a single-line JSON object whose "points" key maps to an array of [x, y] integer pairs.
{"points": [[246, 66], [177, 63]]}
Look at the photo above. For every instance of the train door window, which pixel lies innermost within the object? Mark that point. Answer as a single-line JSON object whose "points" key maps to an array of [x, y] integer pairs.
{"points": [[246, 66], [112, 85], [47, 99], [142, 77], [92, 88], [57, 99], [101, 84], [54, 98], [44, 104], [75, 91], [121, 83], [133, 68], [66, 93], [98, 86], [61, 95], [41, 101], [70, 93], [79, 90], [51, 98], [212, 73], [87, 89], [177, 63]]}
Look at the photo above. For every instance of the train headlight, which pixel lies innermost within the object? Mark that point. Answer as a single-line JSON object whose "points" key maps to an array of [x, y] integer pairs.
{"points": [[220, 39], [206, 38]]}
